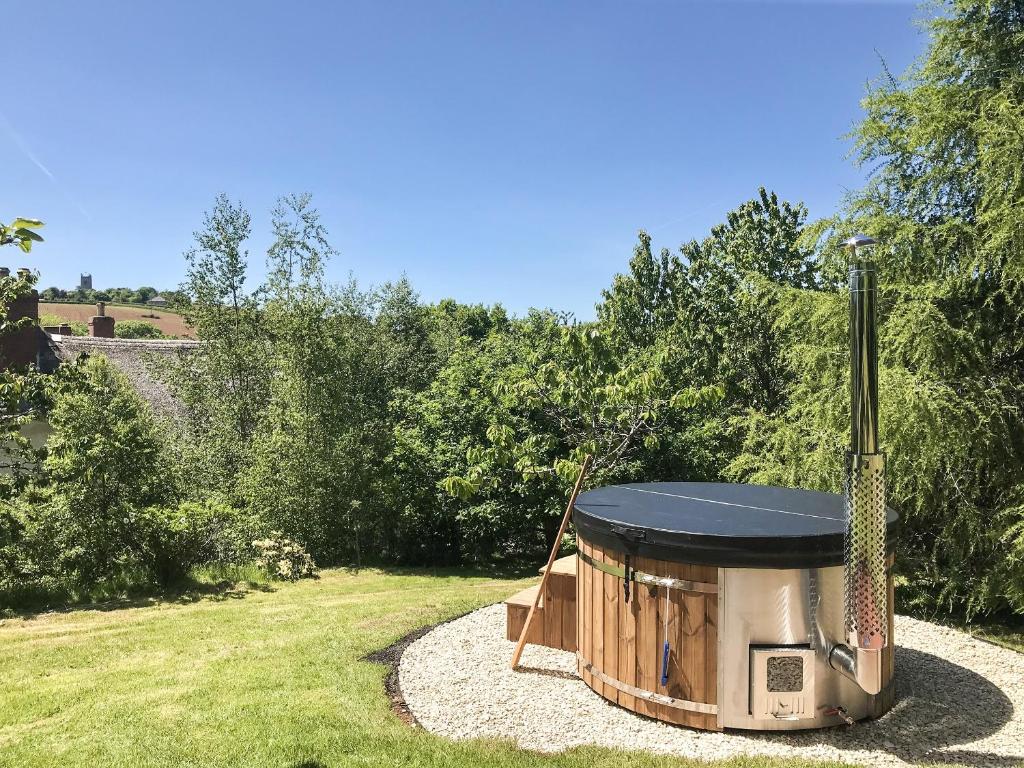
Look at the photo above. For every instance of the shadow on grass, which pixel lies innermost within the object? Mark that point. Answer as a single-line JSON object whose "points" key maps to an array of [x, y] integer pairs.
{"points": [[190, 591], [516, 570]]}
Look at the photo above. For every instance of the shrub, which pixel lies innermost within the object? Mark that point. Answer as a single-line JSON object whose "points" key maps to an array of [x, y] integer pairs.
{"points": [[137, 329], [236, 531], [106, 460], [11, 535], [283, 558], [169, 540], [78, 328]]}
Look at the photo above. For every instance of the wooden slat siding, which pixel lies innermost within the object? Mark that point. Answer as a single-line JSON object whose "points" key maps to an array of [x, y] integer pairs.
{"points": [[510, 623], [685, 633], [658, 643], [681, 669], [568, 584], [552, 616], [655, 641], [639, 615], [559, 594], [591, 617], [709, 651], [515, 618], [627, 638], [674, 687], [555, 614], [586, 615], [711, 648], [597, 628], [646, 641], [695, 638], [628, 645], [579, 603], [611, 627]]}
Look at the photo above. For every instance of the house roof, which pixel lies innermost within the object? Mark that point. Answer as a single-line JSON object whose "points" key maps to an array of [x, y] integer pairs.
{"points": [[134, 358]]}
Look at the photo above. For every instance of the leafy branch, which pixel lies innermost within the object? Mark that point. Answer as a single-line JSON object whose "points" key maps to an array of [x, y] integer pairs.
{"points": [[581, 400], [21, 232]]}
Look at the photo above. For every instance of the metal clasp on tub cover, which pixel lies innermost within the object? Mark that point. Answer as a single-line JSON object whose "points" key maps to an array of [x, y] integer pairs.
{"points": [[626, 578], [632, 535]]}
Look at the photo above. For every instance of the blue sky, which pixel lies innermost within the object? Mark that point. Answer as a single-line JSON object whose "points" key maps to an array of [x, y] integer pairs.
{"points": [[492, 151]]}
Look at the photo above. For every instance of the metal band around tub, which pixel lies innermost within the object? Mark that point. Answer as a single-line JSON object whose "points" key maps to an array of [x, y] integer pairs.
{"points": [[648, 578], [640, 693]]}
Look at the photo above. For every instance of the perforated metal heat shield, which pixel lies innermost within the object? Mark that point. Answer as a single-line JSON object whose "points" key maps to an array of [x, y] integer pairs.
{"points": [[865, 573]]}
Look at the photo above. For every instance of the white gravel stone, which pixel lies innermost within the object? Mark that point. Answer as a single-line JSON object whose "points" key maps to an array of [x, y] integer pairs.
{"points": [[959, 701]]}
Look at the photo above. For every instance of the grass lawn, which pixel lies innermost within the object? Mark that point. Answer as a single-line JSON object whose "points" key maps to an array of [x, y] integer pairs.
{"points": [[264, 677], [1007, 635]]}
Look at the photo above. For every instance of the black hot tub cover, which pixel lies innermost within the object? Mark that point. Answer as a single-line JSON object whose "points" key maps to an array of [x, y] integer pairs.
{"points": [[725, 525]]}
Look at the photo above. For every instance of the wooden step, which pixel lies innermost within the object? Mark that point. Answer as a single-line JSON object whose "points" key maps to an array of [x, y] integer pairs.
{"points": [[517, 608], [554, 623], [525, 598], [563, 566]]}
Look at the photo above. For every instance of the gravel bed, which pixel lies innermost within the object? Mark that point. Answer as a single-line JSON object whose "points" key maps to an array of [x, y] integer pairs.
{"points": [[959, 701]]}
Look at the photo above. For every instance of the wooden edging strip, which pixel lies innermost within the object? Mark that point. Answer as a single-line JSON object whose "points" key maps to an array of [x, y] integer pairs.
{"points": [[656, 698]]}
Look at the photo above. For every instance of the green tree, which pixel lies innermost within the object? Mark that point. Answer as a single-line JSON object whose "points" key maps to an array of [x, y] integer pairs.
{"points": [[144, 294], [21, 393], [644, 304], [21, 401], [564, 392], [224, 386], [946, 202], [731, 298], [106, 463], [297, 479], [715, 303], [137, 329]]}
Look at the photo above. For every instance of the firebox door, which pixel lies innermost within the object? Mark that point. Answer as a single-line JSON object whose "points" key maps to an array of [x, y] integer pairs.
{"points": [[782, 682]]}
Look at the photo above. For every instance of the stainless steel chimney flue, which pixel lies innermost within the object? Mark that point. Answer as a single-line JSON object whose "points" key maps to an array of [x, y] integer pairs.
{"points": [[866, 593]]}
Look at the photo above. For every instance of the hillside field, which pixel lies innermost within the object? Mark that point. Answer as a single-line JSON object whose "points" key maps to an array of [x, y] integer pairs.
{"points": [[171, 323]]}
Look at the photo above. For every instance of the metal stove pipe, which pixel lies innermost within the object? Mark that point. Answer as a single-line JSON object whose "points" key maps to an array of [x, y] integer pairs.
{"points": [[866, 593]]}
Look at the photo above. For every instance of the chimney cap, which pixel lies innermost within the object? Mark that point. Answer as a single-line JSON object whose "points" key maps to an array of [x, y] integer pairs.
{"points": [[859, 241]]}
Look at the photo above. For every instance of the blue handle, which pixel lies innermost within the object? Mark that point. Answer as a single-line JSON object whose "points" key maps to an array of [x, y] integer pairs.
{"points": [[664, 665]]}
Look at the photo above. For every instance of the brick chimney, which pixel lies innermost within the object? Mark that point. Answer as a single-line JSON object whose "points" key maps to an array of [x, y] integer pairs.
{"points": [[100, 325], [20, 348]]}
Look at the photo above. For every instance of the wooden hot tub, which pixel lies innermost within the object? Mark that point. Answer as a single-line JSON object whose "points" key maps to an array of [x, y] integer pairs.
{"points": [[746, 585]]}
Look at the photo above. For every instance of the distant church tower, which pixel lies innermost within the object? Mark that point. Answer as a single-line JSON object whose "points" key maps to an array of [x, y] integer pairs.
{"points": [[86, 282]]}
